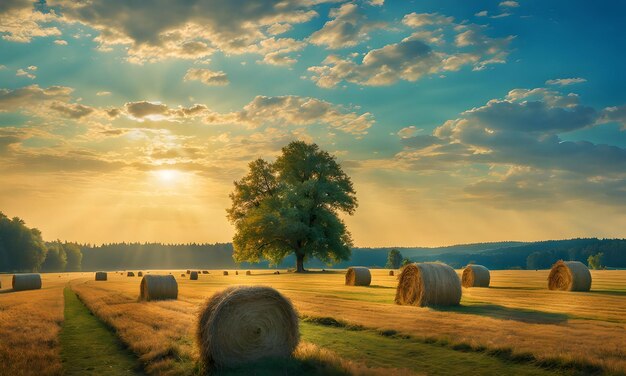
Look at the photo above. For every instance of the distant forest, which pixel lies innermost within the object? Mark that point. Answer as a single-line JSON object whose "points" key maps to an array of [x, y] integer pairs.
{"points": [[502, 255], [23, 249]]}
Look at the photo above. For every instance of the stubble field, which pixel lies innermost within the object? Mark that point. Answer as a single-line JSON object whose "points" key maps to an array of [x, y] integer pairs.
{"points": [[515, 326]]}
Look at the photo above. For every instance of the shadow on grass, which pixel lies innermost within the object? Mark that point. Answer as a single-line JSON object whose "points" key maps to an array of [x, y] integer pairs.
{"points": [[516, 288], [609, 292], [291, 366], [380, 287], [507, 313]]}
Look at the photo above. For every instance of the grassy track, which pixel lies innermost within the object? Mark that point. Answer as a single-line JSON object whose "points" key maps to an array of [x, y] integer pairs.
{"points": [[375, 350], [88, 347]]}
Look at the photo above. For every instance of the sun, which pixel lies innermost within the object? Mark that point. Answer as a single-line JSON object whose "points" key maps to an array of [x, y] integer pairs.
{"points": [[167, 176]]}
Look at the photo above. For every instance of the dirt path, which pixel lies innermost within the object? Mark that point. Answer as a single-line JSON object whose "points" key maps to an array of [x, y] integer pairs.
{"points": [[88, 347]]}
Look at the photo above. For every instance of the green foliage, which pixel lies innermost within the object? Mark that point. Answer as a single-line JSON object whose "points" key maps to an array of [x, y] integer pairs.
{"points": [[56, 258], [21, 248], [394, 259], [74, 257], [292, 206], [539, 260], [595, 261], [406, 262]]}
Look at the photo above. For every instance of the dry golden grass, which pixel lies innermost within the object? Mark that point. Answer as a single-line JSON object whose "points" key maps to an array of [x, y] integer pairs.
{"points": [[30, 322], [517, 312]]}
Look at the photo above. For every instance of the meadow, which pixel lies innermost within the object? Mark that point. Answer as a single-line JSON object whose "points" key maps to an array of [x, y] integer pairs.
{"points": [[516, 326]]}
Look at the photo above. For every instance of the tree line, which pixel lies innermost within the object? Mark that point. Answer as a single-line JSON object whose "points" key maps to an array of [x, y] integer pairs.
{"points": [[22, 249]]}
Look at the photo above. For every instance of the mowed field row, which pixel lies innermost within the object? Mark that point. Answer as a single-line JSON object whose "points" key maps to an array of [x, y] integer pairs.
{"points": [[517, 312]]}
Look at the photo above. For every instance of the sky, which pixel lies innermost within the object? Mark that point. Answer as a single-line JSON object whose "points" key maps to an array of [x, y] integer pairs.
{"points": [[457, 121]]}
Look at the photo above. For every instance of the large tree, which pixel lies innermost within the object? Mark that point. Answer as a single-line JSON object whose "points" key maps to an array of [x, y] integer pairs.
{"points": [[292, 206], [21, 248]]}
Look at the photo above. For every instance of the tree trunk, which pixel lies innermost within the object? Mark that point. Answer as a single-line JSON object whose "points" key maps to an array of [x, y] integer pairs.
{"points": [[300, 263]]}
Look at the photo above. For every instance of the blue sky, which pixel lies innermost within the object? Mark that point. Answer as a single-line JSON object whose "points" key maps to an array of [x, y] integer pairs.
{"points": [[458, 121]]}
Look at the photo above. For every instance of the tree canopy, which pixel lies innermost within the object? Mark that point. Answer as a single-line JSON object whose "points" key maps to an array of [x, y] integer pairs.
{"points": [[292, 206], [394, 259], [21, 248], [56, 258]]}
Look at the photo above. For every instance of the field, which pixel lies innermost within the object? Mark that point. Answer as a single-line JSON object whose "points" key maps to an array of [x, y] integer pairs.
{"points": [[516, 326]]}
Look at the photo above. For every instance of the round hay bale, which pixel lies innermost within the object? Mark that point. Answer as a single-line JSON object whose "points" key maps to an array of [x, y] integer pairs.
{"points": [[243, 324], [225, 272], [188, 271], [428, 284], [193, 276], [236, 272], [205, 272], [358, 276], [569, 276], [183, 275], [391, 273], [277, 272], [130, 274], [30, 281], [248, 272], [475, 276], [101, 276], [140, 274], [158, 287]]}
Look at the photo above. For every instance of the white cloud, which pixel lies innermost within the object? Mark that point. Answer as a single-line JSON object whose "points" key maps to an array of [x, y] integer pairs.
{"points": [[509, 4], [566, 81], [24, 73], [482, 13], [417, 20], [151, 32], [407, 132], [60, 42], [279, 28], [296, 111], [423, 53], [20, 21], [614, 114], [522, 135], [207, 77], [103, 93], [348, 27]]}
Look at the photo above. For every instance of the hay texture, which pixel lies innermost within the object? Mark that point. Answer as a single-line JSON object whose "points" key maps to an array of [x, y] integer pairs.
{"points": [[428, 284], [130, 274], [569, 276], [243, 324], [225, 272], [391, 273], [475, 276], [31, 281], [193, 276], [158, 287], [358, 276], [101, 276]]}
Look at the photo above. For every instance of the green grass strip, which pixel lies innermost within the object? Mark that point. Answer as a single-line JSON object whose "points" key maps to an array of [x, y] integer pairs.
{"points": [[376, 350], [88, 347]]}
